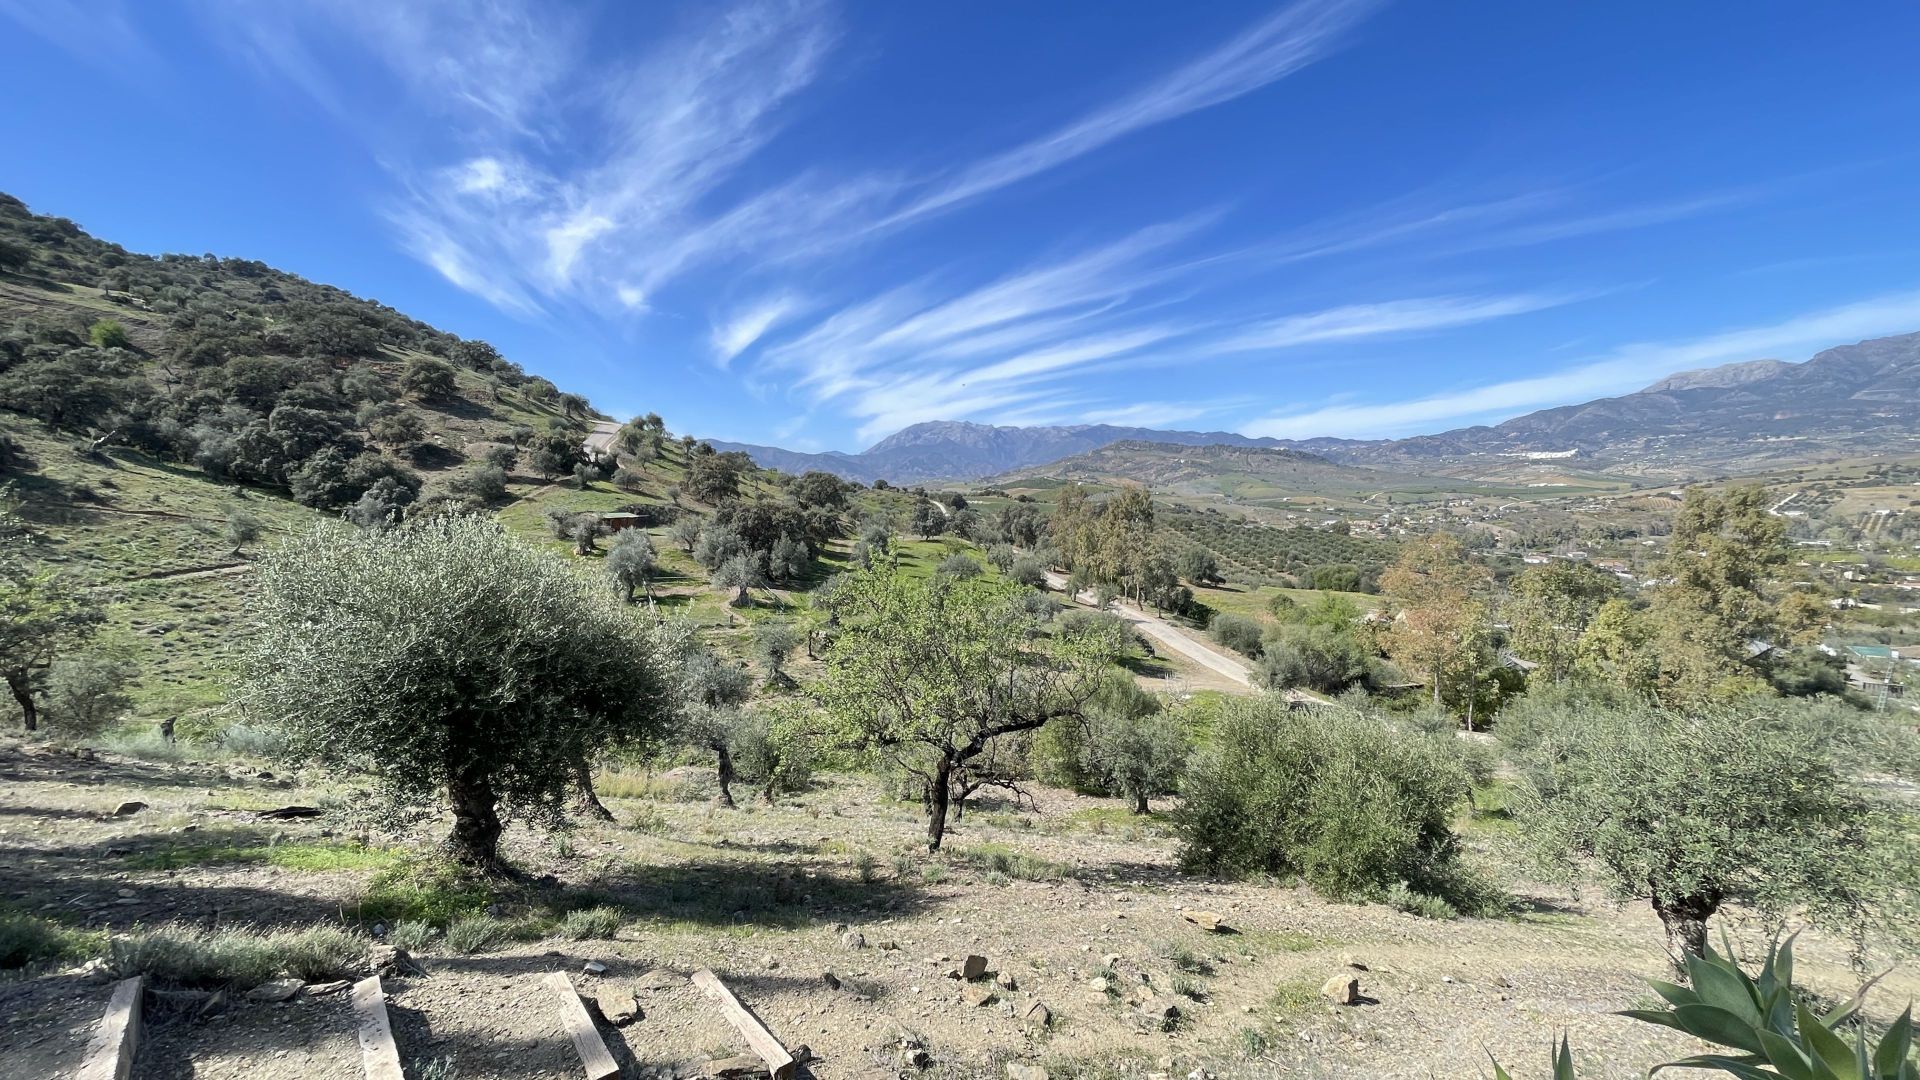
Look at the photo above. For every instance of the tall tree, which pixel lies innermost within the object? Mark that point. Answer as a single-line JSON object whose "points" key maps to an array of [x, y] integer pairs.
{"points": [[1550, 608], [1435, 624], [447, 658], [1712, 603], [930, 672]]}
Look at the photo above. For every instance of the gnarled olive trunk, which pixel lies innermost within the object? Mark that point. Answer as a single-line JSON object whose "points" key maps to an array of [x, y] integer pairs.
{"points": [[725, 773], [1685, 919], [475, 839], [588, 801], [1140, 803], [937, 795], [17, 681]]}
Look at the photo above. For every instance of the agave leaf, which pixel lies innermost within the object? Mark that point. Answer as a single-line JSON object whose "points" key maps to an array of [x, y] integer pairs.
{"points": [[1782, 961], [1895, 1047], [1719, 1026], [1675, 995], [1722, 984], [1786, 1058], [1662, 1017], [1563, 1062], [1845, 1012], [1831, 1049], [1736, 1066]]}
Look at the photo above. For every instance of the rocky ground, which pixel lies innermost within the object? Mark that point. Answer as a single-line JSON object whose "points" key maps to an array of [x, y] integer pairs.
{"points": [[822, 917]]}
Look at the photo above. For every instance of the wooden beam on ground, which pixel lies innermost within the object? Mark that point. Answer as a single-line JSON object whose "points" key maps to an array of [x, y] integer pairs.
{"points": [[379, 1058], [117, 1039], [579, 1024], [780, 1064]]}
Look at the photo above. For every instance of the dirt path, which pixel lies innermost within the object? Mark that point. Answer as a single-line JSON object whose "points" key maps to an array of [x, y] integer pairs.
{"points": [[1164, 632], [600, 438], [197, 572]]}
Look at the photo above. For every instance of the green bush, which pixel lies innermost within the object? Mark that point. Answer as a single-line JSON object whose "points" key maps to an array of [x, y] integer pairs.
{"points": [[28, 939], [1236, 632], [593, 922], [478, 934], [1341, 798]]}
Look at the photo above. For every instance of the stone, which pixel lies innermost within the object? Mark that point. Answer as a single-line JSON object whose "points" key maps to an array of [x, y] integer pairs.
{"points": [[317, 989], [730, 1068], [973, 967], [1017, 1071], [854, 939], [659, 979], [1037, 1015], [619, 1007], [1006, 981], [1342, 990], [832, 980], [1098, 982], [1112, 959], [593, 967], [977, 994], [276, 990], [1205, 920], [911, 1057], [1160, 1014], [129, 808], [1354, 962]]}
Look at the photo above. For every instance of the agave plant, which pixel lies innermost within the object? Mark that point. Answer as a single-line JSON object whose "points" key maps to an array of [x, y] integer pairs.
{"points": [[1773, 1035]]}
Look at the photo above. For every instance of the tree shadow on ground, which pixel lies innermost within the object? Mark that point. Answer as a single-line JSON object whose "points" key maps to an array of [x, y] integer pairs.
{"points": [[762, 894]]}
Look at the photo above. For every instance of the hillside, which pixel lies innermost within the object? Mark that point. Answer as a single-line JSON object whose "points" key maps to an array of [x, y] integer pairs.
{"points": [[956, 450], [148, 404]]}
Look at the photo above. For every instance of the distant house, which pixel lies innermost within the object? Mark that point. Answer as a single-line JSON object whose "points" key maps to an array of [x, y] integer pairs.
{"points": [[622, 520]]}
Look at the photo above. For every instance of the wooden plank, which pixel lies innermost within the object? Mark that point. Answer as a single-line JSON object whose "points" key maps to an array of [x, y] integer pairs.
{"points": [[780, 1064], [117, 1039], [379, 1058], [586, 1037]]}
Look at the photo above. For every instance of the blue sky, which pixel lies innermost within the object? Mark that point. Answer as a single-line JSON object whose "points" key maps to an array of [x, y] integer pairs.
{"points": [[812, 223]]}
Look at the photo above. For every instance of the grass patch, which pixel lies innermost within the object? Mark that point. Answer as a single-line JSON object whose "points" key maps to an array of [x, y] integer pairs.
{"points": [[314, 857], [238, 956], [1000, 859], [1101, 820], [432, 891], [622, 784], [29, 939], [1293, 1001], [412, 935], [1181, 957]]}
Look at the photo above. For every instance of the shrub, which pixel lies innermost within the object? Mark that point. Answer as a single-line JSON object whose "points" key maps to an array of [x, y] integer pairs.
{"points": [[1320, 657], [593, 922], [478, 933], [239, 956], [87, 692], [28, 939], [1236, 632], [411, 935], [1338, 797]]}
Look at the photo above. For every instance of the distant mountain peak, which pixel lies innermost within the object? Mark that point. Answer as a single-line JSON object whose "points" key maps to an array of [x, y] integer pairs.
{"points": [[1740, 374]]}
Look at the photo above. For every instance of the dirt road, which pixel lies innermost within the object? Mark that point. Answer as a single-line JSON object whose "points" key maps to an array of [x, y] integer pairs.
{"points": [[1167, 634]]}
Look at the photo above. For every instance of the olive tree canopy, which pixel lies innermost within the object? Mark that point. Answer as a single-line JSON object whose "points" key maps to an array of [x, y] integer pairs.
{"points": [[930, 672], [449, 659]]}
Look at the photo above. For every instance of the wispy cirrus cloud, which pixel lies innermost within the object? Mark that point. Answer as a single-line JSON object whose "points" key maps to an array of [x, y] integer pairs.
{"points": [[1623, 370], [739, 329], [1021, 344], [1354, 321]]}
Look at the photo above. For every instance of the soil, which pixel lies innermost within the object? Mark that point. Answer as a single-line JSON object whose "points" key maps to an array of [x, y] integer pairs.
{"points": [[767, 897]]}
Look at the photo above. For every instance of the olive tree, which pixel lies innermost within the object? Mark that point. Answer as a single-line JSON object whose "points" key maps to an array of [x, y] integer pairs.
{"points": [[447, 660], [43, 615], [1692, 809], [630, 562], [1137, 752], [929, 673]]}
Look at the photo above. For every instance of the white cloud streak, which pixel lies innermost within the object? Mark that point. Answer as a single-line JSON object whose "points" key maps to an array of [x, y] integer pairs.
{"points": [[738, 331], [1623, 370]]}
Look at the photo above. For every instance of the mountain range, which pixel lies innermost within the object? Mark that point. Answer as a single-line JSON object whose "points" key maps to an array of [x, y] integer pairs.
{"points": [[1849, 401]]}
